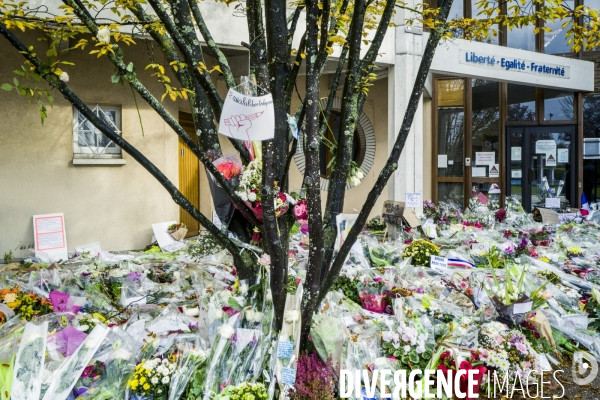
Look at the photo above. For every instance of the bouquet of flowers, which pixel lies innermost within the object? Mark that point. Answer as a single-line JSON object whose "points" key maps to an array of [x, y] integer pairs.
{"points": [[178, 231], [507, 294], [407, 345], [541, 237], [469, 363], [421, 251], [28, 305], [356, 175], [108, 380], [372, 294], [250, 187], [151, 378], [229, 167], [221, 358], [507, 350], [244, 391]]}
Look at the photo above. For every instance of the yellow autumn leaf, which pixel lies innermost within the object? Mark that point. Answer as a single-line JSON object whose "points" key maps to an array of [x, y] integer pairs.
{"points": [[337, 39]]}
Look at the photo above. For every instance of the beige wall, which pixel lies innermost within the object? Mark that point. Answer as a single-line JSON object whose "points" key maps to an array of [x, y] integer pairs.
{"points": [[112, 204]]}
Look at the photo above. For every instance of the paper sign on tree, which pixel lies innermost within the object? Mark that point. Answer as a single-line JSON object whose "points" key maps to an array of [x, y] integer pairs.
{"points": [[247, 117]]}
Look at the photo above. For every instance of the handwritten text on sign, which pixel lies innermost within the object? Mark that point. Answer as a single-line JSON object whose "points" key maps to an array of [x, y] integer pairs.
{"points": [[247, 117]]}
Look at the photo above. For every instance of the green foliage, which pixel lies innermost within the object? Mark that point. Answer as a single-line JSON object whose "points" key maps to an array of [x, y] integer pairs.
{"points": [[8, 257], [244, 391], [205, 245], [347, 286]]}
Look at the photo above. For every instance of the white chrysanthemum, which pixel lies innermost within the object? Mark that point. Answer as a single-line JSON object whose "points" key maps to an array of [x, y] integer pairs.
{"points": [[226, 331], [165, 380], [104, 35], [154, 380], [83, 328]]}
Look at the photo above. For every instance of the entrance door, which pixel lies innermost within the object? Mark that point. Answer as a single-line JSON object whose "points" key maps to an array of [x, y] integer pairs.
{"points": [[189, 175], [467, 146], [542, 159]]}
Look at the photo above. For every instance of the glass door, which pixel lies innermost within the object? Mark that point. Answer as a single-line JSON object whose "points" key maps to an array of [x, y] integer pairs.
{"points": [[467, 145], [541, 164]]}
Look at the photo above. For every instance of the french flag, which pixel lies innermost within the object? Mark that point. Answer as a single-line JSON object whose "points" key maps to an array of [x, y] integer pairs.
{"points": [[585, 206], [458, 263]]}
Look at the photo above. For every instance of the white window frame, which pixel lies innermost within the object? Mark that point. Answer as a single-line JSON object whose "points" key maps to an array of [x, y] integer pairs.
{"points": [[90, 152]]}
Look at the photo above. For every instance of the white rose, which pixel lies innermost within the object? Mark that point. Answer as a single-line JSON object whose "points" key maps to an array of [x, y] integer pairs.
{"points": [[252, 196], [83, 328], [64, 77], [225, 294], [121, 354], [250, 315], [104, 35], [225, 331], [243, 196], [258, 316], [218, 314], [191, 312], [360, 175], [244, 289], [354, 181]]}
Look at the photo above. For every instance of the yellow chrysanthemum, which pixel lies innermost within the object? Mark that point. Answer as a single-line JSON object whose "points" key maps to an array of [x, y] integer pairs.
{"points": [[146, 386]]}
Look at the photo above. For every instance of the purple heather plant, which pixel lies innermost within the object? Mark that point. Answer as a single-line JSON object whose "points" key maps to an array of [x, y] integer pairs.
{"points": [[315, 379]]}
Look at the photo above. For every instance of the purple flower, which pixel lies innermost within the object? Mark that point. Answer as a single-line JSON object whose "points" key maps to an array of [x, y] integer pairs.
{"points": [[134, 276]]}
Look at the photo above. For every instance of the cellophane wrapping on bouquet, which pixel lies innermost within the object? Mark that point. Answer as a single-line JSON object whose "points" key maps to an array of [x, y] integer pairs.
{"points": [[110, 368], [8, 353], [29, 363]]}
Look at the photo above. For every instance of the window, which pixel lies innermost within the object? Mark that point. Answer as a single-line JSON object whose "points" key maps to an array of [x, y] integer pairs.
{"points": [[521, 38], [521, 103], [89, 142], [332, 134], [558, 105], [555, 41]]}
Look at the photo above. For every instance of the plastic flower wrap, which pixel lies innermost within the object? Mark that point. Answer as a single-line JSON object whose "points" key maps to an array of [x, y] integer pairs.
{"points": [[152, 377], [8, 353], [454, 360], [67, 375], [507, 350], [408, 344], [229, 167], [420, 251], [26, 305], [382, 254], [244, 391], [372, 294], [220, 361], [29, 363], [117, 358]]}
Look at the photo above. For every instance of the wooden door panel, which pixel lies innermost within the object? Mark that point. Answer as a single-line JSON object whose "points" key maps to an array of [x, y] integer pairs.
{"points": [[189, 176]]}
